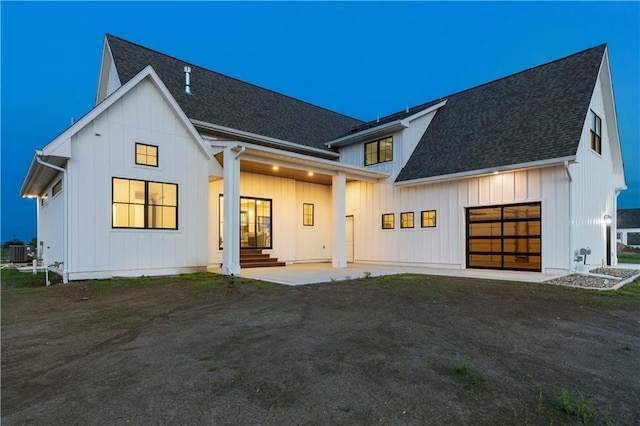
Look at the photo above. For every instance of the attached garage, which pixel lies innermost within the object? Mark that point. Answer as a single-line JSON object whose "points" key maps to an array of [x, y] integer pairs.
{"points": [[505, 237]]}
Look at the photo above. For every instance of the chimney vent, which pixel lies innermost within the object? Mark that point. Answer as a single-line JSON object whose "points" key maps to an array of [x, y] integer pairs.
{"points": [[187, 80]]}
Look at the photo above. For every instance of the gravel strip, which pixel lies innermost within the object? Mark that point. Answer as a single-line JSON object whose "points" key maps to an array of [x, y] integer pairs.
{"points": [[585, 281]]}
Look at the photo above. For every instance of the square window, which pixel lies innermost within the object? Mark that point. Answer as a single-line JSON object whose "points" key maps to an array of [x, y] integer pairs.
{"points": [[388, 221], [428, 219], [146, 155], [380, 151], [307, 214], [406, 220]]}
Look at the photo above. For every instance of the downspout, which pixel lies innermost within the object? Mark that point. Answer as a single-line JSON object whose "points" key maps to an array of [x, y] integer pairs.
{"points": [[65, 259], [571, 257]]}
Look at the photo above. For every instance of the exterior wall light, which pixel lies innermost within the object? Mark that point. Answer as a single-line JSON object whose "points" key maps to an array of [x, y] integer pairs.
{"points": [[607, 219]]}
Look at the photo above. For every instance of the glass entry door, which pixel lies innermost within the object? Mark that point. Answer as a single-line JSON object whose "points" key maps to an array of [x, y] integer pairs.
{"points": [[255, 223]]}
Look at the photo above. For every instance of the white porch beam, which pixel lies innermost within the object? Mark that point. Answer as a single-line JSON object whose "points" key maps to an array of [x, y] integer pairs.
{"points": [[338, 192], [231, 212]]}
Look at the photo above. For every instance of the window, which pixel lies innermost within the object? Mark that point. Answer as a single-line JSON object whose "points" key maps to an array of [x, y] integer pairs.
{"points": [[44, 199], [379, 151], [146, 205], [596, 133], [307, 214], [56, 188], [619, 236], [388, 221], [428, 219], [406, 220], [146, 155]]}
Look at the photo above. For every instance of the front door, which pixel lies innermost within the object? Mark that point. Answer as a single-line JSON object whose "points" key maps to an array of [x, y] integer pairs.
{"points": [[255, 223]]}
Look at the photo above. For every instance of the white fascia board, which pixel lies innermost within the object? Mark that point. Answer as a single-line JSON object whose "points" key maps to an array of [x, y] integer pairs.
{"points": [[39, 176], [107, 57], [147, 72], [368, 134], [612, 120], [482, 172], [256, 152], [260, 138], [385, 128]]}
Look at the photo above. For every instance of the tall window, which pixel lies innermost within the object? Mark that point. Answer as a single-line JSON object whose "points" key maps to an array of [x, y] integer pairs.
{"points": [[406, 220], [596, 133], [307, 214], [146, 155], [388, 221], [379, 151], [146, 205], [428, 219]]}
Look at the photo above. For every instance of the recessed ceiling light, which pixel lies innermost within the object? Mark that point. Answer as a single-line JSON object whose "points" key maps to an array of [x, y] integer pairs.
{"points": [[276, 168], [310, 174]]}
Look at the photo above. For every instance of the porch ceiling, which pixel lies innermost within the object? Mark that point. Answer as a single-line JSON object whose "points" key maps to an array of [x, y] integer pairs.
{"points": [[300, 168]]}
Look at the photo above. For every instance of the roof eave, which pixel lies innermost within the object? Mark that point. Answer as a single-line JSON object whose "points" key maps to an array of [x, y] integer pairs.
{"points": [[39, 176], [264, 139], [488, 171], [382, 129]]}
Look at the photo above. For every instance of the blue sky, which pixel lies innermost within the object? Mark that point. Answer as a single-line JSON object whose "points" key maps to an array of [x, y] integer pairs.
{"points": [[362, 59]]}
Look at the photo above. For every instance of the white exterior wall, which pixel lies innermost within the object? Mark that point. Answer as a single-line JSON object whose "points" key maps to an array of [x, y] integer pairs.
{"points": [[593, 190], [51, 225], [404, 143], [291, 241], [105, 149], [445, 245]]}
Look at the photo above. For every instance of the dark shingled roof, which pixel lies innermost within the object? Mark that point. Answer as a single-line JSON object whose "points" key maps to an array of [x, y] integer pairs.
{"points": [[534, 115], [228, 102], [628, 218]]}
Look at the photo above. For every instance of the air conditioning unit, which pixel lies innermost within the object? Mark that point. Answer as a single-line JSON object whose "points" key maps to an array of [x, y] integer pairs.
{"points": [[18, 254]]}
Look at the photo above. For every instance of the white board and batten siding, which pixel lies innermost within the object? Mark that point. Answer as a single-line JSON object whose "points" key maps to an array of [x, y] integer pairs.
{"points": [[51, 224], [105, 149], [593, 189], [291, 240], [549, 186]]}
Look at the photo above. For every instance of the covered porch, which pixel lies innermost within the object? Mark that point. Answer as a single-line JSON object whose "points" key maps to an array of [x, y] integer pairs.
{"points": [[288, 204]]}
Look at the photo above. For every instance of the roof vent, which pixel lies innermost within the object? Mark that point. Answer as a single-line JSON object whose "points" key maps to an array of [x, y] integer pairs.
{"points": [[187, 80]]}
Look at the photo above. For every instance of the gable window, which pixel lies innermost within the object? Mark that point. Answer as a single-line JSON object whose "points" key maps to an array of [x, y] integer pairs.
{"points": [[146, 155], [145, 205], [596, 132], [56, 188], [406, 220], [307, 214], [379, 151], [388, 221], [428, 219]]}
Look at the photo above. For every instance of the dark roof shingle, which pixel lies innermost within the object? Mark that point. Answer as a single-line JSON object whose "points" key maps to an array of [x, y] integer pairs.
{"points": [[534, 115], [229, 102], [628, 218]]}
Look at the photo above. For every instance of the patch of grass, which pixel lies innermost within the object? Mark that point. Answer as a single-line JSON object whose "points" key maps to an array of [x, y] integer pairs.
{"points": [[539, 401], [31, 290], [628, 257], [581, 407], [472, 378], [15, 278], [206, 285]]}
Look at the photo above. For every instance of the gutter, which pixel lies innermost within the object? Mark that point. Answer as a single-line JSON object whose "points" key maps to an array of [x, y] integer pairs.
{"points": [[487, 171], [65, 220]]}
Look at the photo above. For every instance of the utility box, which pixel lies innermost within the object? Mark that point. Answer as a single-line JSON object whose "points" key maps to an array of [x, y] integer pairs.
{"points": [[18, 254]]}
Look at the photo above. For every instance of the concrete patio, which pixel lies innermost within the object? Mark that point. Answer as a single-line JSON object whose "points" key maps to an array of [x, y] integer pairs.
{"points": [[312, 273]]}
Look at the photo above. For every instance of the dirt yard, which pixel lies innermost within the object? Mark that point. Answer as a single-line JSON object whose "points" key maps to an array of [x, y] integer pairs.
{"points": [[392, 350]]}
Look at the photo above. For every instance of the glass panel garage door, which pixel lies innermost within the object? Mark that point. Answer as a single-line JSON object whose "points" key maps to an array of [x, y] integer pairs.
{"points": [[504, 237]]}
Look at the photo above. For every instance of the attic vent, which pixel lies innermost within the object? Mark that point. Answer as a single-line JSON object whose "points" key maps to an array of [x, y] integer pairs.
{"points": [[187, 80]]}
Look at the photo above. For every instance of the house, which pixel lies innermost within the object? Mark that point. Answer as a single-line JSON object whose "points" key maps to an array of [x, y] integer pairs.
{"points": [[178, 168], [628, 230]]}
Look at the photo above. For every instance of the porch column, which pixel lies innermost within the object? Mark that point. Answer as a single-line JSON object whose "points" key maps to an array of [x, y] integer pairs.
{"points": [[231, 213], [338, 191]]}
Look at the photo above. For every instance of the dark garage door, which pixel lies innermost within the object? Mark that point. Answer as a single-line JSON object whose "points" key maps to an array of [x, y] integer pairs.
{"points": [[504, 237]]}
